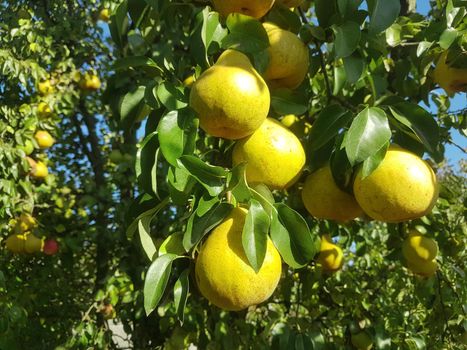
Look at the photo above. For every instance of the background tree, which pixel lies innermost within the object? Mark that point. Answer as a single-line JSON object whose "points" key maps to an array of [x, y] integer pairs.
{"points": [[131, 169]]}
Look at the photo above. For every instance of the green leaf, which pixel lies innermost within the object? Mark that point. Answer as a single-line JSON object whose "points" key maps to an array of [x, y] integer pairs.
{"points": [[367, 134], [144, 229], [211, 29], [347, 38], [422, 124], [347, 8], [156, 281], [383, 13], [171, 96], [423, 46], [237, 183], [180, 184], [393, 35], [317, 339], [148, 213], [286, 101], [172, 245], [292, 237], [339, 79], [255, 235], [326, 11], [354, 66], [198, 226], [246, 34], [447, 38], [181, 288], [130, 106], [146, 163], [118, 26], [371, 163], [328, 124], [284, 18], [177, 134], [210, 176], [137, 62]]}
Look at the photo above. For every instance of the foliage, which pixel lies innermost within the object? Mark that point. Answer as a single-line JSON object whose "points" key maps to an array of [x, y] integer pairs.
{"points": [[136, 186]]}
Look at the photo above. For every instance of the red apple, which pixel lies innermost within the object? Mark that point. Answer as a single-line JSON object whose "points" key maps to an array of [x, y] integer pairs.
{"points": [[50, 247]]}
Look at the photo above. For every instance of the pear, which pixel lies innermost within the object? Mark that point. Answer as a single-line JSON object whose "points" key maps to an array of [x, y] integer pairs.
{"points": [[44, 139], [288, 58], [451, 79], [33, 244], [253, 8], [15, 243], [230, 98], [330, 255]]}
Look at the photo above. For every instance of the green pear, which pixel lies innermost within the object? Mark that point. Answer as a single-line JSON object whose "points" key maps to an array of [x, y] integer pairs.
{"points": [[231, 98]]}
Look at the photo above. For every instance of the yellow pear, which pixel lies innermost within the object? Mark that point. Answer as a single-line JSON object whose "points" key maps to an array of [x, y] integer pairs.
{"points": [[188, 81], [104, 15], [330, 255], [24, 223], [403, 187], [288, 58], [230, 98], [33, 244], [38, 169], [274, 156], [361, 341], [451, 79], [223, 273], [418, 248], [15, 243], [43, 110], [290, 3], [325, 200], [253, 8], [90, 82], [44, 139], [45, 87], [425, 269]]}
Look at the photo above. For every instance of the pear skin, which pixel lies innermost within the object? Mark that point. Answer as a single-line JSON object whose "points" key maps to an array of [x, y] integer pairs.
{"points": [[231, 98], [256, 8]]}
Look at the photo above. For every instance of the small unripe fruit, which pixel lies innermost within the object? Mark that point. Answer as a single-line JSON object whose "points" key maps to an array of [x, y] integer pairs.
{"points": [[27, 148], [25, 223], [50, 247], [104, 15]]}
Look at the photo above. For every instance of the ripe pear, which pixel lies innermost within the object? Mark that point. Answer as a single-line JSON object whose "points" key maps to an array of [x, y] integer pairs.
{"points": [[44, 139], [325, 200], [425, 269], [38, 169], [223, 273], [104, 15], [451, 79], [361, 341], [274, 156], [90, 82], [230, 98], [288, 58], [403, 187], [15, 243], [330, 255], [253, 8], [188, 81], [45, 87], [43, 110], [33, 244], [418, 248]]}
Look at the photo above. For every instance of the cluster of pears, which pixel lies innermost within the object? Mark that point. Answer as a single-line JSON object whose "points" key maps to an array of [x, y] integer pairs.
{"points": [[420, 253], [403, 187], [232, 101], [24, 241], [38, 169]]}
